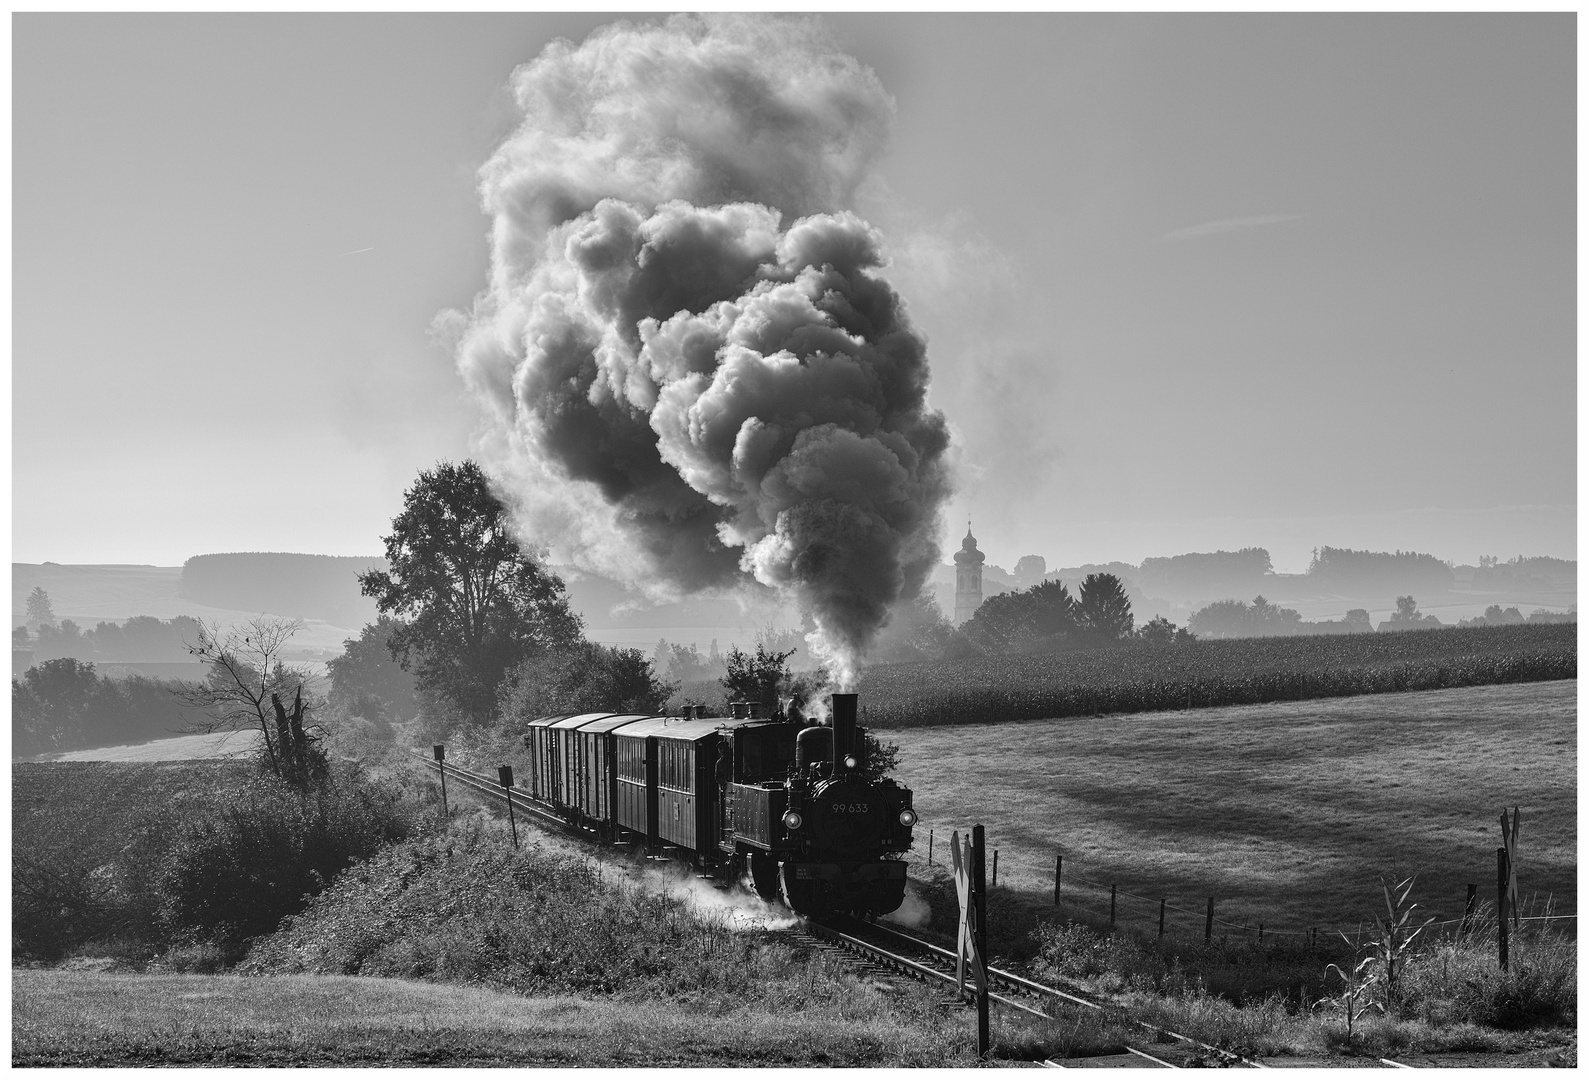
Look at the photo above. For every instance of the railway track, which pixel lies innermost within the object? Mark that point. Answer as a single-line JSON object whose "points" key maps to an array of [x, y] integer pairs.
{"points": [[482, 784], [892, 949]]}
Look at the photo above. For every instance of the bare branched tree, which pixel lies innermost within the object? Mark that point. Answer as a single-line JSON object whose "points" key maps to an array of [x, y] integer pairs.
{"points": [[245, 688]]}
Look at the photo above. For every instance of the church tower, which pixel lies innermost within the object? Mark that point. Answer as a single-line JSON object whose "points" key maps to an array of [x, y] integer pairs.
{"points": [[968, 578]]}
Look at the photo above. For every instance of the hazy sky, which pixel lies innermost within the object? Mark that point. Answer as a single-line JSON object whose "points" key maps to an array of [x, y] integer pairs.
{"points": [[1189, 281]]}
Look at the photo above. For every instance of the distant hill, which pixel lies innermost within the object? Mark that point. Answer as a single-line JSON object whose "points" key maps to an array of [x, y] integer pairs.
{"points": [[323, 591], [324, 587]]}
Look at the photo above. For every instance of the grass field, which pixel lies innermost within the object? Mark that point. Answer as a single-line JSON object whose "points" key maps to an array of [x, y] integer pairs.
{"points": [[1287, 813], [79, 1018], [215, 745]]}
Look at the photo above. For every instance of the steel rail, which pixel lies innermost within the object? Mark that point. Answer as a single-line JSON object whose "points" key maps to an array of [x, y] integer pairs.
{"points": [[1009, 978], [486, 785], [824, 932]]}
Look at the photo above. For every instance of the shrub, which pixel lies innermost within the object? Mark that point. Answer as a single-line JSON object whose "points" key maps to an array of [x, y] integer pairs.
{"points": [[237, 873]]}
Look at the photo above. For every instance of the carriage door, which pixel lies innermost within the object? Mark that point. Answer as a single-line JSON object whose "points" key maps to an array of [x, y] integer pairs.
{"points": [[554, 774], [723, 780]]}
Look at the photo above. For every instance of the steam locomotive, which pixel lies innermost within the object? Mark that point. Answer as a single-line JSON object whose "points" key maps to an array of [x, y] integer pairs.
{"points": [[775, 799]]}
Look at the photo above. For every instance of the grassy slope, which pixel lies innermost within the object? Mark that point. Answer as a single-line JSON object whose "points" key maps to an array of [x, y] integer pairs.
{"points": [[1287, 812]]}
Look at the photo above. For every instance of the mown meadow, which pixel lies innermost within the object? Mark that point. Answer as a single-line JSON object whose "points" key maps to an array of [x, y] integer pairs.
{"points": [[1137, 677], [1289, 814]]}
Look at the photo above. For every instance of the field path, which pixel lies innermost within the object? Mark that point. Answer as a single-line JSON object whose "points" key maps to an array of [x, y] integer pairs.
{"points": [[1287, 813]]}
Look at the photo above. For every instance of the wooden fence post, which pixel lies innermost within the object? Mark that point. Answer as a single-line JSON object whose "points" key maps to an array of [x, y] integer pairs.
{"points": [[1208, 925], [1059, 865], [929, 847], [995, 866], [1161, 916], [1111, 907], [1500, 904]]}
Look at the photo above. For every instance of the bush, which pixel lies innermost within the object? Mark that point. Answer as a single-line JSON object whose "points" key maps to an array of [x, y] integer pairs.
{"points": [[236, 874]]}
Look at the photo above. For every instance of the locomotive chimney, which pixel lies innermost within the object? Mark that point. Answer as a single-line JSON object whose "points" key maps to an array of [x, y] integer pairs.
{"points": [[843, 728]]}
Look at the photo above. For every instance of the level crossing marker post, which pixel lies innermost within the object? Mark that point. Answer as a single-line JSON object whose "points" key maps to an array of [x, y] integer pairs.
{"points": [[505, 778], [440, 753], [1500, 904], [979, 894]]}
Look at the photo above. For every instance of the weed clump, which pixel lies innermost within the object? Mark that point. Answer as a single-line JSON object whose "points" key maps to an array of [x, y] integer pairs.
{"points": [[1459, 982]]}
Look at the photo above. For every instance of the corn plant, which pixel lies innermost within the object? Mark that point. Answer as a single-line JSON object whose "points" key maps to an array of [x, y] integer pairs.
{"points": [[1244, 671], [1356, 997], [1396, 935]]}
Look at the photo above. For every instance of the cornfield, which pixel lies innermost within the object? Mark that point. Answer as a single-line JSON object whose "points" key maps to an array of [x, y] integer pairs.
{"points": [[1143, 678]]}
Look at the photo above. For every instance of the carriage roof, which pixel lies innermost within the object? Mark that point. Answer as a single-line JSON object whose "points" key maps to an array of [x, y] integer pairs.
{"points": [[675, 727]]}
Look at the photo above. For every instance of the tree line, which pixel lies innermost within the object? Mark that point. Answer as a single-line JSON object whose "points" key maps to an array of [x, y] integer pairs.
{"points": [[63, 704], [141, 639]]}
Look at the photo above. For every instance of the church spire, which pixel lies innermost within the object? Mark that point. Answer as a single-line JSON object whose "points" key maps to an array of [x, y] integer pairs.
{"points": [[968, 577]]}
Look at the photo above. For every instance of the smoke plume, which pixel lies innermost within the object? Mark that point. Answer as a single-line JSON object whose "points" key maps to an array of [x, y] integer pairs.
{"points": [[694, 372]]}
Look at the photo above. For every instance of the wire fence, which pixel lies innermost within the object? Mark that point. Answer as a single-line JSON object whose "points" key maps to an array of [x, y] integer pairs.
{"points": [[1124, 905]]}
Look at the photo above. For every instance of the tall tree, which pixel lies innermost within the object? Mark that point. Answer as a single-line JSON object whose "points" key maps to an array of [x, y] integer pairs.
{"points": [[584, 677], [367, 681], [758, 676], [470, 604], [40, 610], [1102, 607]]}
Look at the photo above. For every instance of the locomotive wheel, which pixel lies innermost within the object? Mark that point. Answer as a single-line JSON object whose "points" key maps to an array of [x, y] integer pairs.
{"points": [[764, 875]]}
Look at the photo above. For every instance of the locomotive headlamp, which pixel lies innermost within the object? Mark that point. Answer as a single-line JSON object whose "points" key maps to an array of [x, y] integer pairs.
{"points": [[849, 761], [907, 817], [792, 820]]}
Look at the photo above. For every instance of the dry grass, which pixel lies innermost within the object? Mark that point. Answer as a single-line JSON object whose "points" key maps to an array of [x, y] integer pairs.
{"points": [[1287, 813]]}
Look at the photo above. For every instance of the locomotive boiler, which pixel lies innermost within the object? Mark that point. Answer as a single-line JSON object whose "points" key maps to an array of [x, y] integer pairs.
{"points": [[782, 802]]}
